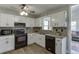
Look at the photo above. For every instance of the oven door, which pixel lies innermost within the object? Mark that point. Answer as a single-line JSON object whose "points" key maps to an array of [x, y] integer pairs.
{"points": [[20, 41], [19, 31]]}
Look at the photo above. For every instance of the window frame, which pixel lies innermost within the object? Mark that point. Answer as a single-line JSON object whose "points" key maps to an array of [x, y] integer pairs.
{"points": [[46, 19]]}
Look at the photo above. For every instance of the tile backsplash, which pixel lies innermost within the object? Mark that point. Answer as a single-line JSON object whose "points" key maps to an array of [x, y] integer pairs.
{"points": [[29, 29], [60, 31], [37, 29]]}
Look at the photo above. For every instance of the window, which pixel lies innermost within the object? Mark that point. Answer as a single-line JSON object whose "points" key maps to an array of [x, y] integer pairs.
{"points": [[46, 23], [73, 25]]}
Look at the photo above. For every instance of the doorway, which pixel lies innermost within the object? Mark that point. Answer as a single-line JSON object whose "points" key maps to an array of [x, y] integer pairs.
{"points": [[75, 29]]}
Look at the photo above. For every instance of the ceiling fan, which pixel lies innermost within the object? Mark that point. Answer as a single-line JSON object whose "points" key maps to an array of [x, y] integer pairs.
{"points": [[25, 10]]}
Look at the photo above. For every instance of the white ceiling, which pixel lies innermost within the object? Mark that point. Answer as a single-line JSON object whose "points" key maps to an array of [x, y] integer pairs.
{"points": [[38, 8]]}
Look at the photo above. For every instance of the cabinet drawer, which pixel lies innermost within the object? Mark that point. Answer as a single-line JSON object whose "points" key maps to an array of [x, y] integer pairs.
{"points": [[6, 43]]}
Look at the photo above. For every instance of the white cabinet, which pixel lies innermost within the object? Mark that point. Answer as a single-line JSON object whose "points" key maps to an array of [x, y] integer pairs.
{"points": [[6, 43], [6, 20], [30, 22], [36, 38], [10, 20], [59, 19], [20, 19], [60, 45], [31, 39], [38, 22], [41, 40]]}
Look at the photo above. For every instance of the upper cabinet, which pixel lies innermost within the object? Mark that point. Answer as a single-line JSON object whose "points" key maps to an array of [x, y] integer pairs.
{"points": [[6, 20], [59, 19], [20, 19], [56, 20], [28, 21], [38, 22]]}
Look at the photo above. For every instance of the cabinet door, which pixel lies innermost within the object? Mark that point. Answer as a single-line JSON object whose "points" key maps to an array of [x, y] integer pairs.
{"points": [[41, 40], [11, 42], [58, 46], [17, 19], [10, 20], [3, 20], [3, 45], [6, 20], [38, 22], [59, 19], [30, 39], [6, 43], [30, 22]]}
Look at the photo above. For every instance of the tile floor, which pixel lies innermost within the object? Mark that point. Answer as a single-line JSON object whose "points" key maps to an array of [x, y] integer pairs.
{"points": [[31, 49]]}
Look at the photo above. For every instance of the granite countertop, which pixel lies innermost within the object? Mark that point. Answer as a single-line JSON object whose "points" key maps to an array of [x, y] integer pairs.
{"points": [[55, 36], [49, 35]]}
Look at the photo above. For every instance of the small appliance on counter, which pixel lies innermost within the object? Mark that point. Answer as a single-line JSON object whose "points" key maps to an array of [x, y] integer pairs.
{"points": [[20, 35]]}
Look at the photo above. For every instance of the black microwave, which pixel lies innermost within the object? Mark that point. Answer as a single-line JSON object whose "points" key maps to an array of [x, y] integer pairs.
{"points": [[19, 25], [6, 32]]}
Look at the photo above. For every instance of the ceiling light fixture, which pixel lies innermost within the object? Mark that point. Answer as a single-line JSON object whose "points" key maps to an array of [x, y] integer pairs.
{"points": [[22, 13], [26, 14], [25, 10]]}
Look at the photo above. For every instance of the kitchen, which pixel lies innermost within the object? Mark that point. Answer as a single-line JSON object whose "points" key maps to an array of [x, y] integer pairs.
{"points": [[43, 30]]}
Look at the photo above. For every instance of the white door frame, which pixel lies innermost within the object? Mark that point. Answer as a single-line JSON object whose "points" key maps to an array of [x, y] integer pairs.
{"points": [[69, 37]]}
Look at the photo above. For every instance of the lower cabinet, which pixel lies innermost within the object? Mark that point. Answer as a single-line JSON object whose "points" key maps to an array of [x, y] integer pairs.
{"points": [[41, 40], [36, 38], [56, 45], [60, 45], [6, 43], [30, 39]]}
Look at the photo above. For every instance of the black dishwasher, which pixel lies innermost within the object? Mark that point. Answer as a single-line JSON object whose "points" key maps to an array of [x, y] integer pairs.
{"points": [[50, 43]]}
